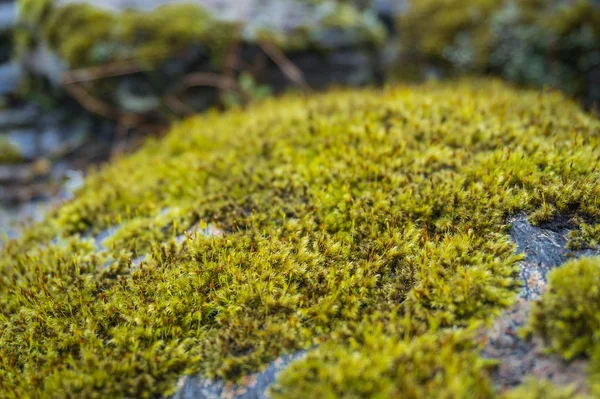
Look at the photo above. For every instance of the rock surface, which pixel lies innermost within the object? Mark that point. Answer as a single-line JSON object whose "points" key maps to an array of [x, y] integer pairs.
{"points": [[254, 386], [546, 248]]}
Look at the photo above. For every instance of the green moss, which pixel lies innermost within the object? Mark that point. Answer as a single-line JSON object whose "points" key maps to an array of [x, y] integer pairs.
{"points": [[340, 211], [151, 37], [535, 389], [567, 316], [9, 153], [145, 37], [587, 237], [440, 365]]}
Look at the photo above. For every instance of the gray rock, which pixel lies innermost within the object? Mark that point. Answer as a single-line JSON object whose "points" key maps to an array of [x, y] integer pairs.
{"points": [[11, 75], [254, 386], [8, 15], [518, 359], [18, 116], [545, 247]]}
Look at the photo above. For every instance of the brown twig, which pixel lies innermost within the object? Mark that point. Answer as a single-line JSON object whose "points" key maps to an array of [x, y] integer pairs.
{"points": [[221, 82], [232, 59], [289, 69], [103, 71], [91, 103]]}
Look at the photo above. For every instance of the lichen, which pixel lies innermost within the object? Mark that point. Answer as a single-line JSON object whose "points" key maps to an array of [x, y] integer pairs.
{"points": [[338, 211]]}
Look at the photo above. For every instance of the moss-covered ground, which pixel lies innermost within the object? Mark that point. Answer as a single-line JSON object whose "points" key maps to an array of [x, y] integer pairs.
{"points": [[355, 223]]}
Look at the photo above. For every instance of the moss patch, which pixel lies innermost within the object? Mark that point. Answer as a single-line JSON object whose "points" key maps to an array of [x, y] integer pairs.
{"points": [[568, 316], [9, 153], [340, 212], [376, 365]]}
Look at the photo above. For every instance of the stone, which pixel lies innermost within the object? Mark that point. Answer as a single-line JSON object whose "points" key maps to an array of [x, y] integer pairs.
{"points": [[545, 248]]}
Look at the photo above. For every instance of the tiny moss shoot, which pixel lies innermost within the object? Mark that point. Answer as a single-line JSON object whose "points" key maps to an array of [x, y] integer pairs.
{"points": [[351, 220]]}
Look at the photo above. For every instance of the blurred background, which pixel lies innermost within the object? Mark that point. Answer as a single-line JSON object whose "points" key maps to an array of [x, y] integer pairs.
{"points": [[84, 81]]}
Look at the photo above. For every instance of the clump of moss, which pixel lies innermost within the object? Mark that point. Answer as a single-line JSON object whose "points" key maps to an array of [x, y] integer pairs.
{"points": [[567, 316], [339, 212], [9, 153], [434, 365], [144, 37], [536, 389], [586, 237]]}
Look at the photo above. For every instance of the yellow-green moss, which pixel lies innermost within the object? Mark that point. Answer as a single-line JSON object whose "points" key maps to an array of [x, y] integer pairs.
{"points": [[150, 37], [536, 389], [144, 37], [586, 237], [375, 365], [568, 315], [9, 153], [340, 211]]}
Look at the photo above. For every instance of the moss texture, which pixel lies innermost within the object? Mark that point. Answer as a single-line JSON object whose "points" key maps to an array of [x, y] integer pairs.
{"points": [[344, 215], [377, 365]]}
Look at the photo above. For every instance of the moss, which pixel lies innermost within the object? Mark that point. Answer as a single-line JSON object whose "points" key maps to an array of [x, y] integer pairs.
{"points": [[440, 365], [9, 153], [340, 211], [536, 43], [151, 37], [536, 389], [448, 21], [567, 316], [587, 237], [145, 37]]}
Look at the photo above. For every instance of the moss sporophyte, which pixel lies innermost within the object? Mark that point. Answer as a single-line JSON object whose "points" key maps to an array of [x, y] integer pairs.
{"points": [[353, 223]]}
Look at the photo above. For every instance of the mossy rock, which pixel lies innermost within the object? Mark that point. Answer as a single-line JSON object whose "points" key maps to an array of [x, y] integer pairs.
{"points": [[368, 227], [133, 57], [536, 43]]}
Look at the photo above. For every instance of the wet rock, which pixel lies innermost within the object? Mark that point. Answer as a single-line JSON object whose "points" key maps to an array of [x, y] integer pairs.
{"points": [[254, 386], [11, 75], [546, 248], [8, 15]]}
